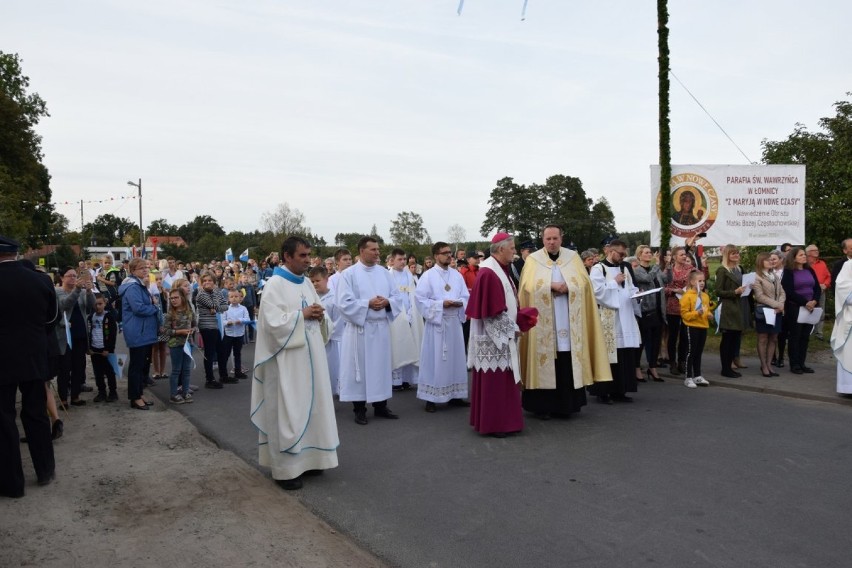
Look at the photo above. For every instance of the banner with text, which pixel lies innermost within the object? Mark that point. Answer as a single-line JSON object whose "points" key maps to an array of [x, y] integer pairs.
{"points": [[742, 205]]}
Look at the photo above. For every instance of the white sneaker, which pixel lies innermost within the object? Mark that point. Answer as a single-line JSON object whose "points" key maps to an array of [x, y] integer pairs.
{"points": [[702, 382], [689, 383]]}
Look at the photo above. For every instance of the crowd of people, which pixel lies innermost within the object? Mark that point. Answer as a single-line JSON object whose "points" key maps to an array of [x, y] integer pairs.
{"points": [[539, 331]]}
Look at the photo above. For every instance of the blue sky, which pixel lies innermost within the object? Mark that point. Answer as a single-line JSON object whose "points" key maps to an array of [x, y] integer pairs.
{"points": [[355, 111]]}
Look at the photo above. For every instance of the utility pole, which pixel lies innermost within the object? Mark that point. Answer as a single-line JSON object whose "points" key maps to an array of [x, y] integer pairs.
{"points": [[141, 229]]}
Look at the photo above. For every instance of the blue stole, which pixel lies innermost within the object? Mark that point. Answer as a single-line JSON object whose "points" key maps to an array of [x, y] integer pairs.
{"points": [[287, 275]]}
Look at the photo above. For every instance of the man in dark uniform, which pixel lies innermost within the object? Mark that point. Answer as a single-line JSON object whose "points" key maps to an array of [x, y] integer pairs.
{"points": [[23, 350]]}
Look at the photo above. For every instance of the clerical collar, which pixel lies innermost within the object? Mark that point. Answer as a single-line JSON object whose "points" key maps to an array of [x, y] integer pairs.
{"points": [[553, 256], [287, 275]]}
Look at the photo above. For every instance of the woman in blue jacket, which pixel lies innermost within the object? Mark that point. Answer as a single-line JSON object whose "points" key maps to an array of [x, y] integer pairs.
{"points": [[141, 322]]}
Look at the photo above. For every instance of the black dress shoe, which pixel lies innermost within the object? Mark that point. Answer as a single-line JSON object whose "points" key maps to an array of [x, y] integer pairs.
{"points": [[86, 388], [458, 402], [604, 399], [361, 417], [796, 370], [47, 479], [384, 413], [498, 434], [290, 484], [78, 402], [101, 397], [57, 429], [622, 398], [138, 407], [542, 415], [731, 374], [212, 385], [313, 472], [807, 370], [779, 363], [430, 407], [149, 403], [231, 380], [12, 494]]}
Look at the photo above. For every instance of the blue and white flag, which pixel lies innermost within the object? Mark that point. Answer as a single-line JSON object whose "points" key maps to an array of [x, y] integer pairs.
{"points": [[260, 283], [244, 256], [118, 361], [187, 348], [220, 324], [67, 329], [698, 303], [229, 255]]}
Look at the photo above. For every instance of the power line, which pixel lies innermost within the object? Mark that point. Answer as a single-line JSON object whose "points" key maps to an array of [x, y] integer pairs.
{"points": [[711, 117]]}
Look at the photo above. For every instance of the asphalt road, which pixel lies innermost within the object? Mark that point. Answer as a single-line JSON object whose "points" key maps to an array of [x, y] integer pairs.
{"points": [[705, 477]]}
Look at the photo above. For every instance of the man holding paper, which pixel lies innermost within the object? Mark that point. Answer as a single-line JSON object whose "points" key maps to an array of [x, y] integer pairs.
{"points": [[802, 290]]}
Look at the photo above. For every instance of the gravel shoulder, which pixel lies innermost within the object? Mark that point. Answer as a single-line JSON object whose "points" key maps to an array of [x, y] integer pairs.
{"points": [[146, 489]]}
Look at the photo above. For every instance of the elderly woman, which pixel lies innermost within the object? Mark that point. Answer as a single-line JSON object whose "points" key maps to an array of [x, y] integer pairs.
{"points": [[729, 288], [141, 323], [802, 291], [76, 301], [768, 293]]}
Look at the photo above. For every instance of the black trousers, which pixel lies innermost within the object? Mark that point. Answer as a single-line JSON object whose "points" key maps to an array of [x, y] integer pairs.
{"points": [[797, 342], [729, 347], [695, 339], [72, 369], [677, 339], [102, 369], [651, 328], [230, 344], [37, 429], [564, 399], [212, 352], [138, 367], [623, 376]]}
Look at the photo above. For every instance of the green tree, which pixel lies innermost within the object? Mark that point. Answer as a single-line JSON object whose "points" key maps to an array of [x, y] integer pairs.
{"points": [[635, 238], [161, 228], [407, 230], [828, 185], [25, 209], [525, 210], [513, 208], [202, 225], [107, 230]]}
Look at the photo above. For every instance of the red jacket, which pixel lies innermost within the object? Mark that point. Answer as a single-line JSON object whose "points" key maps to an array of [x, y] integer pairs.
{"points": [[469, 275], [822, 273]]}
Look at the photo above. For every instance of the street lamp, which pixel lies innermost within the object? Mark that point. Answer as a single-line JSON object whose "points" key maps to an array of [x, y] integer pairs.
{"points": [[141, 230]]}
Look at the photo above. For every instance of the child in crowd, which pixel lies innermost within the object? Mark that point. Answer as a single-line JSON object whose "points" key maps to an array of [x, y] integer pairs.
{"points": [[228, 284], [179, 325], [236, 319], [696, 311], [319, 278], [102, 333], [246, 288]]}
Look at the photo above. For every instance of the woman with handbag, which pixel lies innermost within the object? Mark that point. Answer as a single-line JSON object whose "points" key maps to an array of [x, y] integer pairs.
{"points": [[648, 277], [768, 294], [802, 291]]}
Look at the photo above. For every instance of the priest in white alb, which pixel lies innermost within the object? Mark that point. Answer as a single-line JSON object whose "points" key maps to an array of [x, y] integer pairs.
{"points": [[291, 401], [442, 297], [368, 302], [407, 328]]}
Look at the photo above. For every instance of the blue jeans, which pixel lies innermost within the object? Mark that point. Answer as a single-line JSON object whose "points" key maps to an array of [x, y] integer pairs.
{"points": [[181, 367]]}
